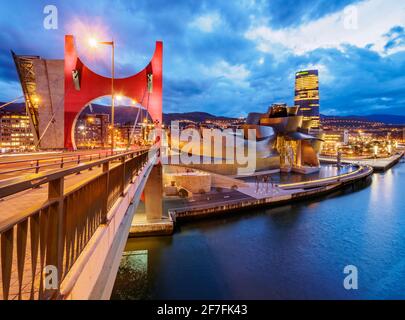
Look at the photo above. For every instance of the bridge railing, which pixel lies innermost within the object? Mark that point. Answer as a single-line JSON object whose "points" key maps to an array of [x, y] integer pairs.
{"points": [[52, 236], [61, 162]]}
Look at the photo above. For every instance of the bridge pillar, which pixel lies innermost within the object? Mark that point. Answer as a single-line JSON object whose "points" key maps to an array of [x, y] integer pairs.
{"points": [[153, 193]]}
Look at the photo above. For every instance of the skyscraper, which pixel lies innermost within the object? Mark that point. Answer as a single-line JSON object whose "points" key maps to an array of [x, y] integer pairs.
{"points": [[307, 96]]}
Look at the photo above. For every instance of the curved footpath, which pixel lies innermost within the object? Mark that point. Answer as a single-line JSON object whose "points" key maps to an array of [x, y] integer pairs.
{"points": [[272, 196]]}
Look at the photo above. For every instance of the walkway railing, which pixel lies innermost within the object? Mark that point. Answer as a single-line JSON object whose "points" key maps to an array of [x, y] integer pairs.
{"points": [[61, 162], [361, 171], [54, 234]]}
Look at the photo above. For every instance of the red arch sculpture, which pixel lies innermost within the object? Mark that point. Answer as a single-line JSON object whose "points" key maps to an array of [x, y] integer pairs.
{"points": [[92, 86]]}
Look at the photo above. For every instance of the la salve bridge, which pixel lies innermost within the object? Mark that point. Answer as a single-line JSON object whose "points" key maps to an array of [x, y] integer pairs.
{"points": [[65, 219]]}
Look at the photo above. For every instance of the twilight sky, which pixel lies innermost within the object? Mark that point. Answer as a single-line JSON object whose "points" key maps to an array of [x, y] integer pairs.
{"points": [[228, 57]]}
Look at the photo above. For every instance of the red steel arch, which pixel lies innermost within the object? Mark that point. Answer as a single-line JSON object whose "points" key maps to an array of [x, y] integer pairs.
{"points": [[93, 86]]}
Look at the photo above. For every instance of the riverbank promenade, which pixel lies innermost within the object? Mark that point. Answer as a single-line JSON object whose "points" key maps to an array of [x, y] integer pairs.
{"points": [[257, 195], [379, 164]]}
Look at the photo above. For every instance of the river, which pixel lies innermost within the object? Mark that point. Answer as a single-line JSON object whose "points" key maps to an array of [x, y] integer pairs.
{"points": [[296, 251]]}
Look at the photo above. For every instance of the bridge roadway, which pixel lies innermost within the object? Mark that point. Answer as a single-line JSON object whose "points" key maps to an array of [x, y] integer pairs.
{"points": [[49, 162], [20, 210], [16, 165]]}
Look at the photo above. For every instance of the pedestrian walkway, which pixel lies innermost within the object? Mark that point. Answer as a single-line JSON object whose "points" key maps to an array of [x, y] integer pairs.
{"points": [[379, 164], [20, 203], [264, 191]]}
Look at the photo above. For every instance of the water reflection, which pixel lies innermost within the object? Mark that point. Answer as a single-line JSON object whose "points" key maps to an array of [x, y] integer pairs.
{"points": [[326, 171], [132, 277], [296, 251]]}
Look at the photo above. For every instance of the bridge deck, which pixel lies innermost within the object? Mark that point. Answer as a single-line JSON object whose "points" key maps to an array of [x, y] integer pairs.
{"points": [[16, 204], [21, 202], [81, 207]]}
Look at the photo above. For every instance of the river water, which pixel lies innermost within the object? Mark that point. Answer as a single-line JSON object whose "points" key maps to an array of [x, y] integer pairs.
{"points": [[296, 251]]}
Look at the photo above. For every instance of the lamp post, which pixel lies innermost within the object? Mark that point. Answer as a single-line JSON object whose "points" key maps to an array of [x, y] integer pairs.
{"points": [[94, 43]]}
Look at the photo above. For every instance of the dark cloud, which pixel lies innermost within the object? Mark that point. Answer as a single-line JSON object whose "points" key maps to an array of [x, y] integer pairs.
{"points": [[288, 13], [396, 38], [220, 71]]}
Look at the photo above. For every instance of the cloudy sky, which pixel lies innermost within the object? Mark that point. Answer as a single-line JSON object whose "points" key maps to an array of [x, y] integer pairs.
{"points": [[229, 57]]}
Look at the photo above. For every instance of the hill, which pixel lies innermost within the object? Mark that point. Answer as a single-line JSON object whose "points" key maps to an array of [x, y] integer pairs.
{"points": [[128, 115], [383, 118]]}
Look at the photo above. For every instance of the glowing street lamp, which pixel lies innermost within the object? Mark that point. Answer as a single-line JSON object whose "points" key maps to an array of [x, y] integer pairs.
{"points": [[376, 150], [93, 43], [36, 99]]}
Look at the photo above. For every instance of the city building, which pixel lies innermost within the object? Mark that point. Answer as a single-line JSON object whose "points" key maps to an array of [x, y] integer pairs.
{"points": [[15, 132], [280, 143], [307, 97], [297, 150], [333, 140], [92, 131]]}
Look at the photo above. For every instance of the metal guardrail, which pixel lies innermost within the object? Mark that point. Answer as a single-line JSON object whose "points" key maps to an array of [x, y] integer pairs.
{"points": [[58, 161], [57, 231], [360, 172]]}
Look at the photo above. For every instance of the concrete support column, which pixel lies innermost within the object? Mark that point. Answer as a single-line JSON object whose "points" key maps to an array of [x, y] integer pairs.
{"points": [[154, 194]]}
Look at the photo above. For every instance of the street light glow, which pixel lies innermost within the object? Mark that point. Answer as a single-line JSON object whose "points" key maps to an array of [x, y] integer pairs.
{"points": [[93, 42]]}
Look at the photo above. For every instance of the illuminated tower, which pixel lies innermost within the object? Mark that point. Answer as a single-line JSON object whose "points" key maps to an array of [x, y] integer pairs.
{"points": [[307, 96]]}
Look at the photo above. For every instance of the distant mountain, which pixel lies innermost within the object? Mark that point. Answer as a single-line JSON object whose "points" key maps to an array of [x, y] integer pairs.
{"points": [[14, 108], [125, 115], [192, 116], [383, 118], [386, 118]]}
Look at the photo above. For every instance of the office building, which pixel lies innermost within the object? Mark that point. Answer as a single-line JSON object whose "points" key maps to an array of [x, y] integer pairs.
{"points": [[307, 97]]}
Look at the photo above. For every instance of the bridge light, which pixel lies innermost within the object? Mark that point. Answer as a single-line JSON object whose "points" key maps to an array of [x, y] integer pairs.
{"points": [[134, 102], [93, 42], [119, 98], [36, 99]]}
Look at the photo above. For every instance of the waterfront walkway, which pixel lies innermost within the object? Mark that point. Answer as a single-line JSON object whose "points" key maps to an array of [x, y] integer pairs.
{"points": [[254, 195], [379, 164]]}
